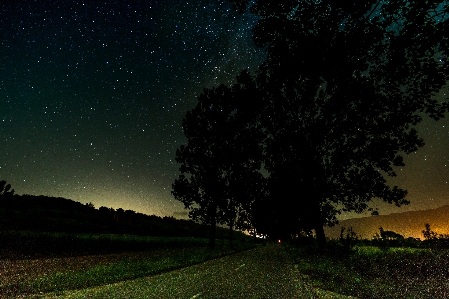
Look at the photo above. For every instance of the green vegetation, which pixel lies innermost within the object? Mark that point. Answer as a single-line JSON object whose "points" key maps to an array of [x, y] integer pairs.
{"points": [[370, 272], [162, 254], [30, 244], [56, 214], [389, 266], [121, 270]]}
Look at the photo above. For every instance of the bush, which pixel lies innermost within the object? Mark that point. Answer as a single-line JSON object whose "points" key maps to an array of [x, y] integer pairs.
{"points": [[350, 239], [433, 239]]}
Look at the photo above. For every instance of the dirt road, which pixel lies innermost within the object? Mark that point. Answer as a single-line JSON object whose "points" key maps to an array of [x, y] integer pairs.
{"points": [[265, 272]]}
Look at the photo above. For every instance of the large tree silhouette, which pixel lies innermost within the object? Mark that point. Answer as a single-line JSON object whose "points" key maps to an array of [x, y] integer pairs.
{"points": [[344, 84], [222, 156]]}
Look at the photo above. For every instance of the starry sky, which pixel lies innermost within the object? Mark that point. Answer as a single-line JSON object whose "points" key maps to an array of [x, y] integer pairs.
{"points": [[92, 96]]}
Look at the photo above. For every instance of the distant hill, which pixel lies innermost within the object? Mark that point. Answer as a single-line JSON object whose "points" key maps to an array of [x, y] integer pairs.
{"points": [[408, 224], [57, 214]]}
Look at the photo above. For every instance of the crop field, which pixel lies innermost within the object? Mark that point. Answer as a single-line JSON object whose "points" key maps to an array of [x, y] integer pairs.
{"points": [[37, 263], [372, 272], [26, 244]]}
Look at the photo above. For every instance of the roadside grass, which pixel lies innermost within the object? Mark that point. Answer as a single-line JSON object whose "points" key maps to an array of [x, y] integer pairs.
{"points": [[370, 272], [161, 254], [119, 271]]}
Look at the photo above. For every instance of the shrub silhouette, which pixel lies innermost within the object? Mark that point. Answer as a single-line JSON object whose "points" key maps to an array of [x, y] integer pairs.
{"points": [[433, 239], [428, 233], [387, 238]]}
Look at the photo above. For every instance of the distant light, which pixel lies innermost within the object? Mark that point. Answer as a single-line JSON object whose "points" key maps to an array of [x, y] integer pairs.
{"points": [[279, 241]]}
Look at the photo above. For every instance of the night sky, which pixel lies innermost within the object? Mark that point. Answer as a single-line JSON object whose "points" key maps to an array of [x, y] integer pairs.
{"points": [[92, 96]]}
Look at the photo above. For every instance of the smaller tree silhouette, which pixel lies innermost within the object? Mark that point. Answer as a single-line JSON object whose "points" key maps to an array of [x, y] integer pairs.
{"points": [[428, 233], [221, 161], [350, 239], [5, 189]]}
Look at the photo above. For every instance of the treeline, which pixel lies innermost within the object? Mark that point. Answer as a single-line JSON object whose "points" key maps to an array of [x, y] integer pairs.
{"points": [[386, 238], [57, 214]]}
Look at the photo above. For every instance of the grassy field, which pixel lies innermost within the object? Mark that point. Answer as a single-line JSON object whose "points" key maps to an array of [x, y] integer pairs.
{"points": [[370, 272], [53, 262], [31, 244], [33, 264]]}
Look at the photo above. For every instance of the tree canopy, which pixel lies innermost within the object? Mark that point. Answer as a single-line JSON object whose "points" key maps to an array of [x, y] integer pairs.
{"points": [[222, 155], [5, 189], [342, 89], [344, 84]]}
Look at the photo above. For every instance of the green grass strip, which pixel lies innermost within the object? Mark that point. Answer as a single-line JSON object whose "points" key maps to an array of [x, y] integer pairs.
{"points": [[119, 271], [370, 272], [332, 273]]}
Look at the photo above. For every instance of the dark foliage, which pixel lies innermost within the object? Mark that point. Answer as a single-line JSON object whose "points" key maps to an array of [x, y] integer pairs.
{"points": [[343, 87], [338, 98], [433, 239], [220, 164], [56, 214], [5, 190]]}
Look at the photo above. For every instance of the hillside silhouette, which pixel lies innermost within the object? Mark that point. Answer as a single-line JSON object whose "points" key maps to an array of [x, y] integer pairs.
{"points": [[57, 214], [408, 224]]}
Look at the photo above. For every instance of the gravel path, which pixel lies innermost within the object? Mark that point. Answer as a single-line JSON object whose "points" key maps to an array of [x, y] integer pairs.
{"points": [[265, 272]]}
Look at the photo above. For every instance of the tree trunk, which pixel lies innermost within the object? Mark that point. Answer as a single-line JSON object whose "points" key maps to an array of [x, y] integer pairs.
{"points": [[320, 236], [213, 227], [319, 221], [231, 225]]}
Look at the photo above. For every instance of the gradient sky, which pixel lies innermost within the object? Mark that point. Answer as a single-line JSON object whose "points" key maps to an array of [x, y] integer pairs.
{"points": [[92, 96]]}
